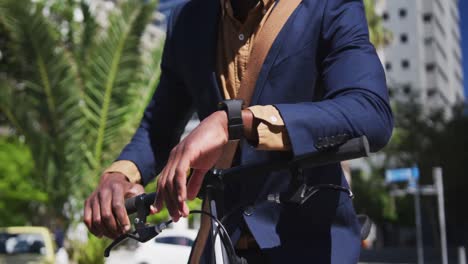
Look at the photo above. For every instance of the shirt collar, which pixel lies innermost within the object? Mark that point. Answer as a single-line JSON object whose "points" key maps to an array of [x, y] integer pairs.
{"points": [[224, 3]]}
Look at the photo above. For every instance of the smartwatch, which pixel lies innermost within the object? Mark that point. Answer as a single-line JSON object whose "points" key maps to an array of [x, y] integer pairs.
{"points": [[233, 109]]}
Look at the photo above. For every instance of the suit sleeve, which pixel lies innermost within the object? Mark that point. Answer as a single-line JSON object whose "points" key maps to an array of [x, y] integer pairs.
{"points": [[355, 96], [164, 118]]}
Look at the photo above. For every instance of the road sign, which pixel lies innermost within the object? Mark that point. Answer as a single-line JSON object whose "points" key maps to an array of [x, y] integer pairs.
{"points": [[402, 175], [411, 175]]}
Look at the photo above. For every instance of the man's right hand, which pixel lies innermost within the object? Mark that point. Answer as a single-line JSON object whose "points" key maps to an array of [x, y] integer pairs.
{"points": [[104, 212]]}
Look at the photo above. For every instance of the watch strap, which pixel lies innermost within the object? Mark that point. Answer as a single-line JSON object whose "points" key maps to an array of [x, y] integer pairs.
{"points": [[233, 110]]}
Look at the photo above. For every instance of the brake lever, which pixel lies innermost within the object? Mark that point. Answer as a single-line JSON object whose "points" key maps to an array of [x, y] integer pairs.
{"points": [[143, 232], [117, 241]]}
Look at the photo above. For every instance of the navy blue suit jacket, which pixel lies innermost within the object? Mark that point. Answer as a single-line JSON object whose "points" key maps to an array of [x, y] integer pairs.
{"points": [[324, 77]]}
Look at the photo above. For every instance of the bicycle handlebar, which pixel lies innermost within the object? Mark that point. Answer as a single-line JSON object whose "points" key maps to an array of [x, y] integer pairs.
{"points": [[352, 149], [131, 203]]}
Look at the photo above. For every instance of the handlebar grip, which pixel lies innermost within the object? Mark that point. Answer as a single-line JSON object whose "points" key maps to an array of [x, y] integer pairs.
{"points": [[352, 149], [146, 199]]}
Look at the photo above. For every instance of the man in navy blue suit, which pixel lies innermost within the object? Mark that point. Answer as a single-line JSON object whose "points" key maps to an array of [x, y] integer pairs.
{"points": [[320, 84]]}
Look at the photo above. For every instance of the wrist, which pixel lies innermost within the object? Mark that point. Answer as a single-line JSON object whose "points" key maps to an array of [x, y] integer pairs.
{"points": [[107, 176], [222, 118], [248, 120]]}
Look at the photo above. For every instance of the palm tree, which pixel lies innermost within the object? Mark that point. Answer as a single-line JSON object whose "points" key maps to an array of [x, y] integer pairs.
{"points": [[72, 89]]}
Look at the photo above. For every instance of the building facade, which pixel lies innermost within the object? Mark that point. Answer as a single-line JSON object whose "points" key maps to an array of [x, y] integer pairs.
{"points": [[424, 55]]}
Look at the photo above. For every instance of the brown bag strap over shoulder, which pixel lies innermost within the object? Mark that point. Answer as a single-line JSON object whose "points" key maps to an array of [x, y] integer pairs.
{"points": [[262, 44]]}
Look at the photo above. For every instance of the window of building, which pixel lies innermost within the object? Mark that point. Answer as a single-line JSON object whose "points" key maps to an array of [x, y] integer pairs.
{"points": [[385, 16], [431, 92], [407, 89], [405, 64], [404, 38], [403, 12], [430, 67], [388, 66], [427, 18], [428, 41]]}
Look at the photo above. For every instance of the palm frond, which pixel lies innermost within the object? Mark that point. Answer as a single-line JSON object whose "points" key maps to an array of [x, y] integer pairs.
{"points": [[113, 67], [42, 100]]}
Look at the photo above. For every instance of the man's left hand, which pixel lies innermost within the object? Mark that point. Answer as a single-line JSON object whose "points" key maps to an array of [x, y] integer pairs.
{"points": [[200, 150]]}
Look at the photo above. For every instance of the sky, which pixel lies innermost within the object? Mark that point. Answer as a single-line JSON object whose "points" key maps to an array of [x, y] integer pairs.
{"points": [[464, 31]]}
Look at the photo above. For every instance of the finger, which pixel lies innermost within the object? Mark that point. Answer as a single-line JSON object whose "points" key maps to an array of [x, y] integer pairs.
{"points": [[171, 204], [96, 227], [172, 195], [162, 179], [158, 201], [107, 217], [88, 214], [180, 184], [195, 183], [161, 188], [153, 209], [118, 209]]}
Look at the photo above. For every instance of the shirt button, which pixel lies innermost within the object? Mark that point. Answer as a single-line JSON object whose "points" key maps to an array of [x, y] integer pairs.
{"points": [[273, 119], [264, 11], [248, 211], [241, 37]]}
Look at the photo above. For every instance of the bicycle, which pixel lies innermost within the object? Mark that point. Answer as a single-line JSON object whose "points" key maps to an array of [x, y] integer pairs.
{"points": [[298, 193]]}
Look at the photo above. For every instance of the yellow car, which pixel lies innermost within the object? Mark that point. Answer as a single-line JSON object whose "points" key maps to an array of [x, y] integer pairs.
{"points": [[26, 244]]}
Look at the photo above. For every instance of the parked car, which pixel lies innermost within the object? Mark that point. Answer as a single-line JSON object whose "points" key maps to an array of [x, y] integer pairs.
{"points": [[26, 244], [172, 246]]}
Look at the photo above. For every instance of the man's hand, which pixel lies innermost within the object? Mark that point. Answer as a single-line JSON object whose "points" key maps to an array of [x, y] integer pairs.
{"points": [[104, 212], [200, 150]]}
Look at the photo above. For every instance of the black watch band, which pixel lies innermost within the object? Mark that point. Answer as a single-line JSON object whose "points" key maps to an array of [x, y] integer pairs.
{"points": [[233, 110]]}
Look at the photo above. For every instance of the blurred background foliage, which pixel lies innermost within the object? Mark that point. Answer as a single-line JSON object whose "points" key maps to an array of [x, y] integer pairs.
{"points": [[425, 139], [17, 189]]}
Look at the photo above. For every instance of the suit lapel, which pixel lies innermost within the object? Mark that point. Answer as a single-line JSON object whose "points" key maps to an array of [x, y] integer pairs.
{"points": [[270, 58]]}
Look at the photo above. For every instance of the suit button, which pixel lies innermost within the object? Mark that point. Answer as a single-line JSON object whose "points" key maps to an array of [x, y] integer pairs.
{"points": [[248, 211], [326, 142]]}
